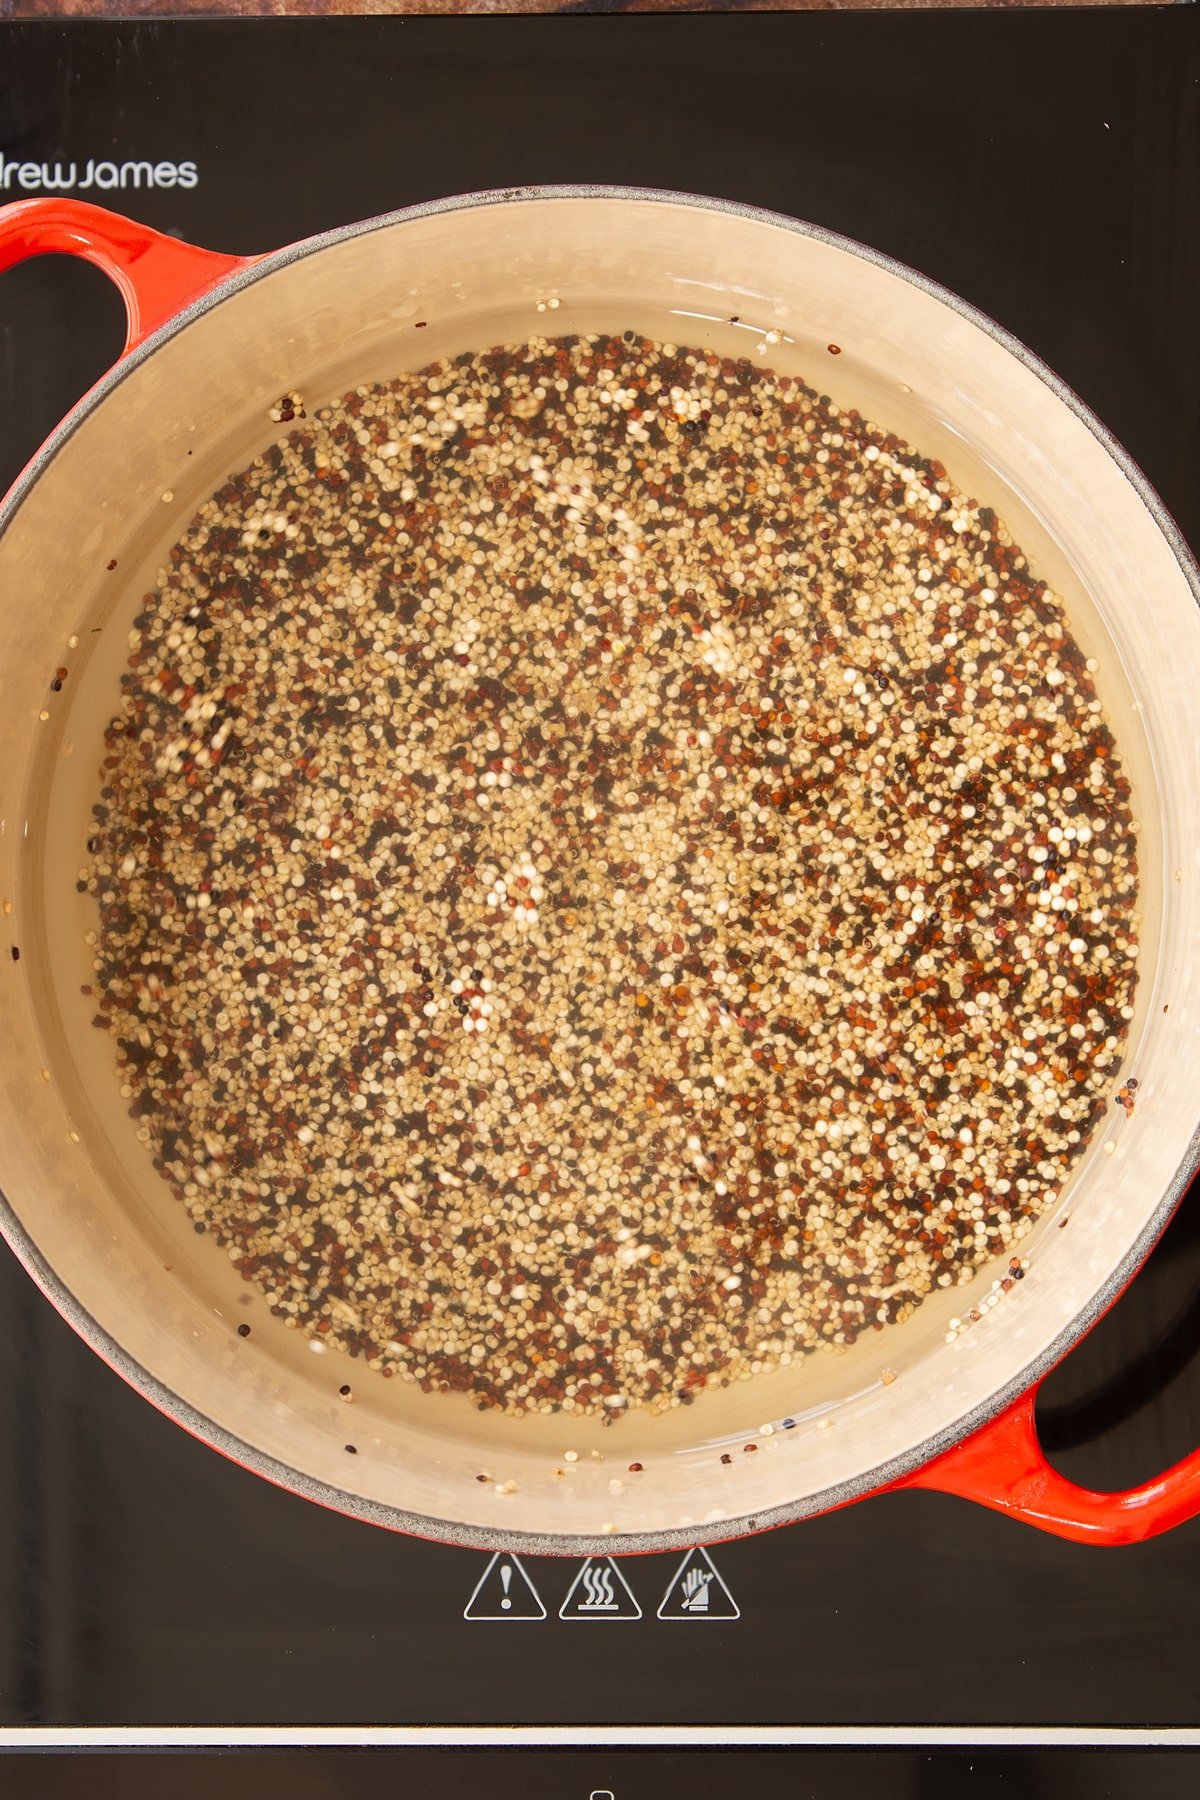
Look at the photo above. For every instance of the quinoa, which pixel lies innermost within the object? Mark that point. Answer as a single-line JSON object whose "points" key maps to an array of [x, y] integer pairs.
{"points": [[612, 875]]}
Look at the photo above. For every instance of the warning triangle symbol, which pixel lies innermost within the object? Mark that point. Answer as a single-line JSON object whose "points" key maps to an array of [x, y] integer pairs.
{"points": [[696, 1591], [599, 1591], [504, 1591]]}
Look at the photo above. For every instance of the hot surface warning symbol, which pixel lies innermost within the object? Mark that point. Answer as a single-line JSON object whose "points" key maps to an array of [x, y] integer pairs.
{"points": [[504, 1592], [696, 1591], [599, 1591]]}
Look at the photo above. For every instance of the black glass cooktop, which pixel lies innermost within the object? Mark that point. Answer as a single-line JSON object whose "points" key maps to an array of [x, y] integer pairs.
{"points": [[1043, 165]]}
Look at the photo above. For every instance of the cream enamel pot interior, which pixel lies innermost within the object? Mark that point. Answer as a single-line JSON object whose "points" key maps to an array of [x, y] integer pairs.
{"points": [[213, 341]]}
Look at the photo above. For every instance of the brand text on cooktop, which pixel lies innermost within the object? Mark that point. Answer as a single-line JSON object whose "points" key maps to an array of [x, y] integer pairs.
{"points": [[78, 176]]}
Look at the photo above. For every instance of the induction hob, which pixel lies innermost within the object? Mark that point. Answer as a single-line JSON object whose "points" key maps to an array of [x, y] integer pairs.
{"points": [[1043, 165]]}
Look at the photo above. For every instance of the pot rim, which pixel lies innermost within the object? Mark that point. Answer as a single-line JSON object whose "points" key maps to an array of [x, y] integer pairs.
{"points": [[884, 1475]]}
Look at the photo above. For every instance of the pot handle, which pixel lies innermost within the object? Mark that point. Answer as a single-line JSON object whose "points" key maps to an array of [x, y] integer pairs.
{"points": [[156, 275], [1004, 1466]]}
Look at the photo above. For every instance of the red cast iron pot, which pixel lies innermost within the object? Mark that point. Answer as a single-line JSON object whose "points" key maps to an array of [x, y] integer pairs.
{"points": [[212, 342]]}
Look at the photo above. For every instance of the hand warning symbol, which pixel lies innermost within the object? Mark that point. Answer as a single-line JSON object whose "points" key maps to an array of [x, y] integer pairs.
{"points": [[696, 1591], [696, 1584]]}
